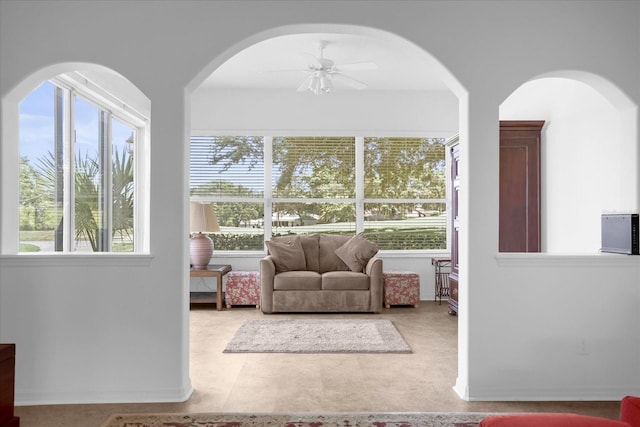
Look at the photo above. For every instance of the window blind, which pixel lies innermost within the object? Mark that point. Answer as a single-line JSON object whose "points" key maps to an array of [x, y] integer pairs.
{"points": [[226, 166], [404, 168], [314, 167]]}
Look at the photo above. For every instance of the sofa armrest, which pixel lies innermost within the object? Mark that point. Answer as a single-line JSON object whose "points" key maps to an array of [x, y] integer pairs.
{"points": [[549, 420], [267, 274], [373, 269], [630, 410]]}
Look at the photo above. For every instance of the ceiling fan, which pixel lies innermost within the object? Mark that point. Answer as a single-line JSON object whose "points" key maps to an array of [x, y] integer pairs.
{"points": [[323, 71]]}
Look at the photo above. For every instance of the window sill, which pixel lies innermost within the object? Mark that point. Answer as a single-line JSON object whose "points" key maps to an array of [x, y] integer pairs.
{"points": [[565, 259], [75, 260], [420, 253]]}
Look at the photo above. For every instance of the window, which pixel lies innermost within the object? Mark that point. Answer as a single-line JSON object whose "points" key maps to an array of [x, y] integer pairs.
{"points": [[77, 170], [404, 192], [391, 188], [313, 185]]}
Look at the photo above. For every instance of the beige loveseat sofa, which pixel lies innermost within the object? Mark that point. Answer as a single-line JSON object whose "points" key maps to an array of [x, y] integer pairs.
{"points": [[321, 273]]}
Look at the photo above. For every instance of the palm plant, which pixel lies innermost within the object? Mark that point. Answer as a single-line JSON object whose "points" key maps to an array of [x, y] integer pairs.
{"points": [[87, 196], [123, 193], [87, 188]]}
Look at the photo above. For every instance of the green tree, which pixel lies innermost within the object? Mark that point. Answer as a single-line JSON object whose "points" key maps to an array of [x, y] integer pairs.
{"points": [[404, 167], [32, 201], [324, 167]]}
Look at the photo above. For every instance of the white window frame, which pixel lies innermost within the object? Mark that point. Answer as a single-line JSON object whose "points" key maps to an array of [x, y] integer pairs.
{"points": [[359, 200], [75, 84]]}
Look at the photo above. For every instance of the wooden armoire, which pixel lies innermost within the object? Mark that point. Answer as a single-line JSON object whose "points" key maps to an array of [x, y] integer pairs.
{"points": [[519, 227], [519, 221]]}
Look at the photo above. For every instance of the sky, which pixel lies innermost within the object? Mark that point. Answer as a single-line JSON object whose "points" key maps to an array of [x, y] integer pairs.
{"points": [[37, 129]]}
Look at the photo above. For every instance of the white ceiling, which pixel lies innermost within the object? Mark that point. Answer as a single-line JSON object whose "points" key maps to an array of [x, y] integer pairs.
{"points": [[253, 68]]}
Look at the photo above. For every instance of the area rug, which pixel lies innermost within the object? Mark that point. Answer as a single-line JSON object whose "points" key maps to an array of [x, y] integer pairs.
{"points": [[317, 336], [429, 419]]}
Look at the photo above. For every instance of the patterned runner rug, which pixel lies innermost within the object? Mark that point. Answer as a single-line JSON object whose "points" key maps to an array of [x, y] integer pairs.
{"points": [[429, 419], [317, 336]]}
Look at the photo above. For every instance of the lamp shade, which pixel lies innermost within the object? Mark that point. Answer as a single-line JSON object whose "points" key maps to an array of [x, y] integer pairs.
{"points": [[201, 218]]}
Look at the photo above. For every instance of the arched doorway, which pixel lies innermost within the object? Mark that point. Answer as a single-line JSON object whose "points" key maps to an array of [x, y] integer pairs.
{"points": [[321, 107]]}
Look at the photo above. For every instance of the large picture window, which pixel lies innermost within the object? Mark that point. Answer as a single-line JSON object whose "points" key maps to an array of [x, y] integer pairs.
{"points": [[77, 173], [391, 188]]}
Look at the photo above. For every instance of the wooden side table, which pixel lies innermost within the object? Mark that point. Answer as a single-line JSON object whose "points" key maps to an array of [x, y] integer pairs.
{"points": [[217, 271]]}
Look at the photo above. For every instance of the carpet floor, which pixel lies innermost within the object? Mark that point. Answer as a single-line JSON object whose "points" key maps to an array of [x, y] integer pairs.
{"points": [[317, 336], [297, 420]]}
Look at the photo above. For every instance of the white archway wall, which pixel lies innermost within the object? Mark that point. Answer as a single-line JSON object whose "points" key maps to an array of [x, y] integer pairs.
{"points": [[434, 113], [588, 159], [270, 112], [490, 47]]}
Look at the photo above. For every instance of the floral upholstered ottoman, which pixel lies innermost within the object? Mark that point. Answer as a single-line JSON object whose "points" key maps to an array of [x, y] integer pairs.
{"points": [[243, 288], [401, 288]]}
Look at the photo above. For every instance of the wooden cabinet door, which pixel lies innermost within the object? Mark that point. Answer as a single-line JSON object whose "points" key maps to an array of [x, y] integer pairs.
{"points": [[519, 186]]}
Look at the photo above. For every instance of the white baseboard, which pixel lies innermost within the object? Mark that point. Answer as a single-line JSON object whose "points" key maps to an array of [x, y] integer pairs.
{"points": [[128, 396], [493, 394]]}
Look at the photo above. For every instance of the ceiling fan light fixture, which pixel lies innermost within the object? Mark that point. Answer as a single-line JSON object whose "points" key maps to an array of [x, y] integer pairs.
{"points": [[325, 83], [320, 83], [314, 85], [323, 70]]}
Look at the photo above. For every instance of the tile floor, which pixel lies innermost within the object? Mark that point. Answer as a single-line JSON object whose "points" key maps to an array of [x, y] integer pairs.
{"points": [[417, 382]]}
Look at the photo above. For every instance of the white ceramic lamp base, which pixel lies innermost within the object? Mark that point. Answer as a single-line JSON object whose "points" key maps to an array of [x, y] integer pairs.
{"points": [[200, 251]]}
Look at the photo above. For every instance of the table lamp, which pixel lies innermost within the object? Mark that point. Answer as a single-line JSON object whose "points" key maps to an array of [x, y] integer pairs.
{"points": [[201, 219]]}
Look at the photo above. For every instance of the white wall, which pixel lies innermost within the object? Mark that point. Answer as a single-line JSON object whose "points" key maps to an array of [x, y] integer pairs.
{"points": [[417, 262], [433, 113], [585, 160], [511, 308]]}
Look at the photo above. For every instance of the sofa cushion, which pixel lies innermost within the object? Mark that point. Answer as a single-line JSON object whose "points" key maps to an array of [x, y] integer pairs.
{"points": [[345, 280], [356, 252], [549, 420], [329, 261], [309, 247], [287, 254], [297, 280]]}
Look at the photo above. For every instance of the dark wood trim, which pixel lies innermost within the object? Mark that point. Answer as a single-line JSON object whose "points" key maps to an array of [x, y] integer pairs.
{"points": [[522, 125]]}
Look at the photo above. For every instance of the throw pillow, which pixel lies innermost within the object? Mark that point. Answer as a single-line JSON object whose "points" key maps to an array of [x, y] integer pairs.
{"points": [[357, 252], [287, 254]]}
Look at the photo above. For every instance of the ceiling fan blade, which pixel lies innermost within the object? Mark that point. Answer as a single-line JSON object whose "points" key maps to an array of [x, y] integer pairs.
{"points": [[357, 66], [349, 81], [305, 84]]}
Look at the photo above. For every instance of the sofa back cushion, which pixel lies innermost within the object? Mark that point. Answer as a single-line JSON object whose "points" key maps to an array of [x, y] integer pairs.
{"points": [[329, 261], [287, 254], [309, 247]]}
